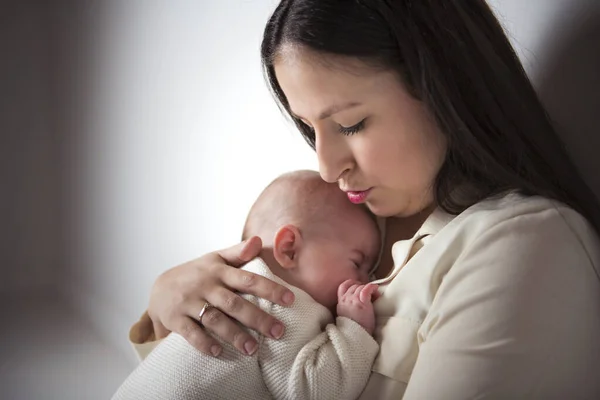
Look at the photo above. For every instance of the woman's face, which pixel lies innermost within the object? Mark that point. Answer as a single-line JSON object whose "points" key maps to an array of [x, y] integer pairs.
{"points": [[372, 138]]}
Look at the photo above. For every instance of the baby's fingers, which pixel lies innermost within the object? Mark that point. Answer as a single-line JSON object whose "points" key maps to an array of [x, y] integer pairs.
{"points": [[344, 286], [369, 293]]}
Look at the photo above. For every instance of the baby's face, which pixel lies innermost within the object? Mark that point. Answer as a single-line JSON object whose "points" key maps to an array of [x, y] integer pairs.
{"points": [[346, 249]]}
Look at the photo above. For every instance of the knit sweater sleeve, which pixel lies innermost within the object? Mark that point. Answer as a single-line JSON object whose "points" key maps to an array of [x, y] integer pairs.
{"points": [[175, 370], [334, 365], [331, 363]]}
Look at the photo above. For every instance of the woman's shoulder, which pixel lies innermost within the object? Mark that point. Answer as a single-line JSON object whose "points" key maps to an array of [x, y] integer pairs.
{"points": [[537, 222], [516, 247], [515, 279], [514, 205], [514, 209]]}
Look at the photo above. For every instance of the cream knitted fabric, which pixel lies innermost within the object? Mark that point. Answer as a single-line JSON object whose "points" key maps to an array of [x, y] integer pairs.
{"points": [[315, 359]]}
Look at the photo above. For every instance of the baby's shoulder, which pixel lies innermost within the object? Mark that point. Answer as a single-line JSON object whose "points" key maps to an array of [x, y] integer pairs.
{"points": [[312, 314]]}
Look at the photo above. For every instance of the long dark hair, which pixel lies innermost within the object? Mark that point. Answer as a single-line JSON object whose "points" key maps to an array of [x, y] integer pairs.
{"points": [[454, 57]]}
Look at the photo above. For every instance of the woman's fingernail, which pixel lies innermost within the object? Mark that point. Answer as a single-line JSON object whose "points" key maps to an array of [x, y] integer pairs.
{"points": [[277, 331], [288, 298], [215, 350], [250, 347]]}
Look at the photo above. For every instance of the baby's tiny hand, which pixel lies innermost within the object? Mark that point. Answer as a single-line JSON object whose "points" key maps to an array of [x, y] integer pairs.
{"points": [[355, 301]]}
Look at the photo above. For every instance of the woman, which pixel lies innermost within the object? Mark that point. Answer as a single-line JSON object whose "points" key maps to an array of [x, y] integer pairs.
{"points": [[489, 271]]}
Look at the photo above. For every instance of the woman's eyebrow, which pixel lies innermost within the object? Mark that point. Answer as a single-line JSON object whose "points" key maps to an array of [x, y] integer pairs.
{"points": [[331, 110]]}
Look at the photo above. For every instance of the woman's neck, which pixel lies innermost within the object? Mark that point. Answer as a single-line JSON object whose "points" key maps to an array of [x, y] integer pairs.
{"points": [[396, 229], [403, 228]]}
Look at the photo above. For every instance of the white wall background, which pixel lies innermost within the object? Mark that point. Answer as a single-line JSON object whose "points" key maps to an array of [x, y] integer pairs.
{"points": [[166, 133], [175, 137]]}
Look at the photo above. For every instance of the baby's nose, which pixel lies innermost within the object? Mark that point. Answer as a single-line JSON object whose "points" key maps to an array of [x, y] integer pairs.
{"points": [[363, 277]]}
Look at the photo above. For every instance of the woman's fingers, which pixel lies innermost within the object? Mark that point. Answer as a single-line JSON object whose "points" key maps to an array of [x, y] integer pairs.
{"points": [[180, 293], [230, 332], [159, 330], [242, 252], [197, 337], [246, 313], [251, 249], [259, 286]]}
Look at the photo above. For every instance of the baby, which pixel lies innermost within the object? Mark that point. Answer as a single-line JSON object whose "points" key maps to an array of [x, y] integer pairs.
{"points": [[320, 246]]}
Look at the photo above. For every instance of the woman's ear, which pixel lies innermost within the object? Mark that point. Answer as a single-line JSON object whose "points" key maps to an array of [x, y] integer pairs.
{"points": [[286, 245]]}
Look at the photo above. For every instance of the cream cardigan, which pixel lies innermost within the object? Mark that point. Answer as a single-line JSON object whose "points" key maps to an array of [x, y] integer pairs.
{"points": [[315, 359], [502, 302]]}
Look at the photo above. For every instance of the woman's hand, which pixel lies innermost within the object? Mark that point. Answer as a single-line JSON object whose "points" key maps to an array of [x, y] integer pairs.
{"points": [[179, 294]]}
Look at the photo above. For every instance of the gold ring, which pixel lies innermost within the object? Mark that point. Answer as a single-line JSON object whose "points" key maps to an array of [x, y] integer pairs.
{"points": [[206, 306]]}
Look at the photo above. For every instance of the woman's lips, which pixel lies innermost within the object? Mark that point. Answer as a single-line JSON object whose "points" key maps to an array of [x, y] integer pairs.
{"points": [[358, 196]]}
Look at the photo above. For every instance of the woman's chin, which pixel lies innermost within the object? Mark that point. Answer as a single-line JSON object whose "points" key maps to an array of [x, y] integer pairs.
{"points": [[379, 209]]}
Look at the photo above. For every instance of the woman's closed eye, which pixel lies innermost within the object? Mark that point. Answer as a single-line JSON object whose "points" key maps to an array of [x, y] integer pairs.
{"points": [[344, 130], [351, 130]]}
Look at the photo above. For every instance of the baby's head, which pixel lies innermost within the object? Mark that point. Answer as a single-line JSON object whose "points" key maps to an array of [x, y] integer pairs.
{"points": [[318, 237]]}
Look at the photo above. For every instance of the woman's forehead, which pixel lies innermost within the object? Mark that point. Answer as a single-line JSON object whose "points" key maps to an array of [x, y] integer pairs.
{"points": [[315, 89]]}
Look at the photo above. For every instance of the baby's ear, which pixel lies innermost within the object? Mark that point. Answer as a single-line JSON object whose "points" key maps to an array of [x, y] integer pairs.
{"points": [[286, 244]]}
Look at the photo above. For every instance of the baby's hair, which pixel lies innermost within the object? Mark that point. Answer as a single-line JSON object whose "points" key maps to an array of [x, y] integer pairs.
{"points": [[300, 198]]}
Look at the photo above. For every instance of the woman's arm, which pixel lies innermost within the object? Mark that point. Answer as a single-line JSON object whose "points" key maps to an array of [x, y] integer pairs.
{"points": [[179, 294], [517, 316]]}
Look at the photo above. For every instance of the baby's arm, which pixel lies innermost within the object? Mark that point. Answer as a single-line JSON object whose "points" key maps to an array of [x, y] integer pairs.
{"points": [[335, 364], [177, 371]]}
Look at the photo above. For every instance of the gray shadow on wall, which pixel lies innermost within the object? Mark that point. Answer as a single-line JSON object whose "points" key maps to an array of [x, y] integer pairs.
{"points": [[570, 89]]}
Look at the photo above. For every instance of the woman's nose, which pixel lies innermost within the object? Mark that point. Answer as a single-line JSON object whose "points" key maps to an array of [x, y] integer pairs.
{"points": [[333, 156]]}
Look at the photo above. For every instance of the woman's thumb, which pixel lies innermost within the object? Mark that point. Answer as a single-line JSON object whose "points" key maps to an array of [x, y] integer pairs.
{"points": [[242, 252]]}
